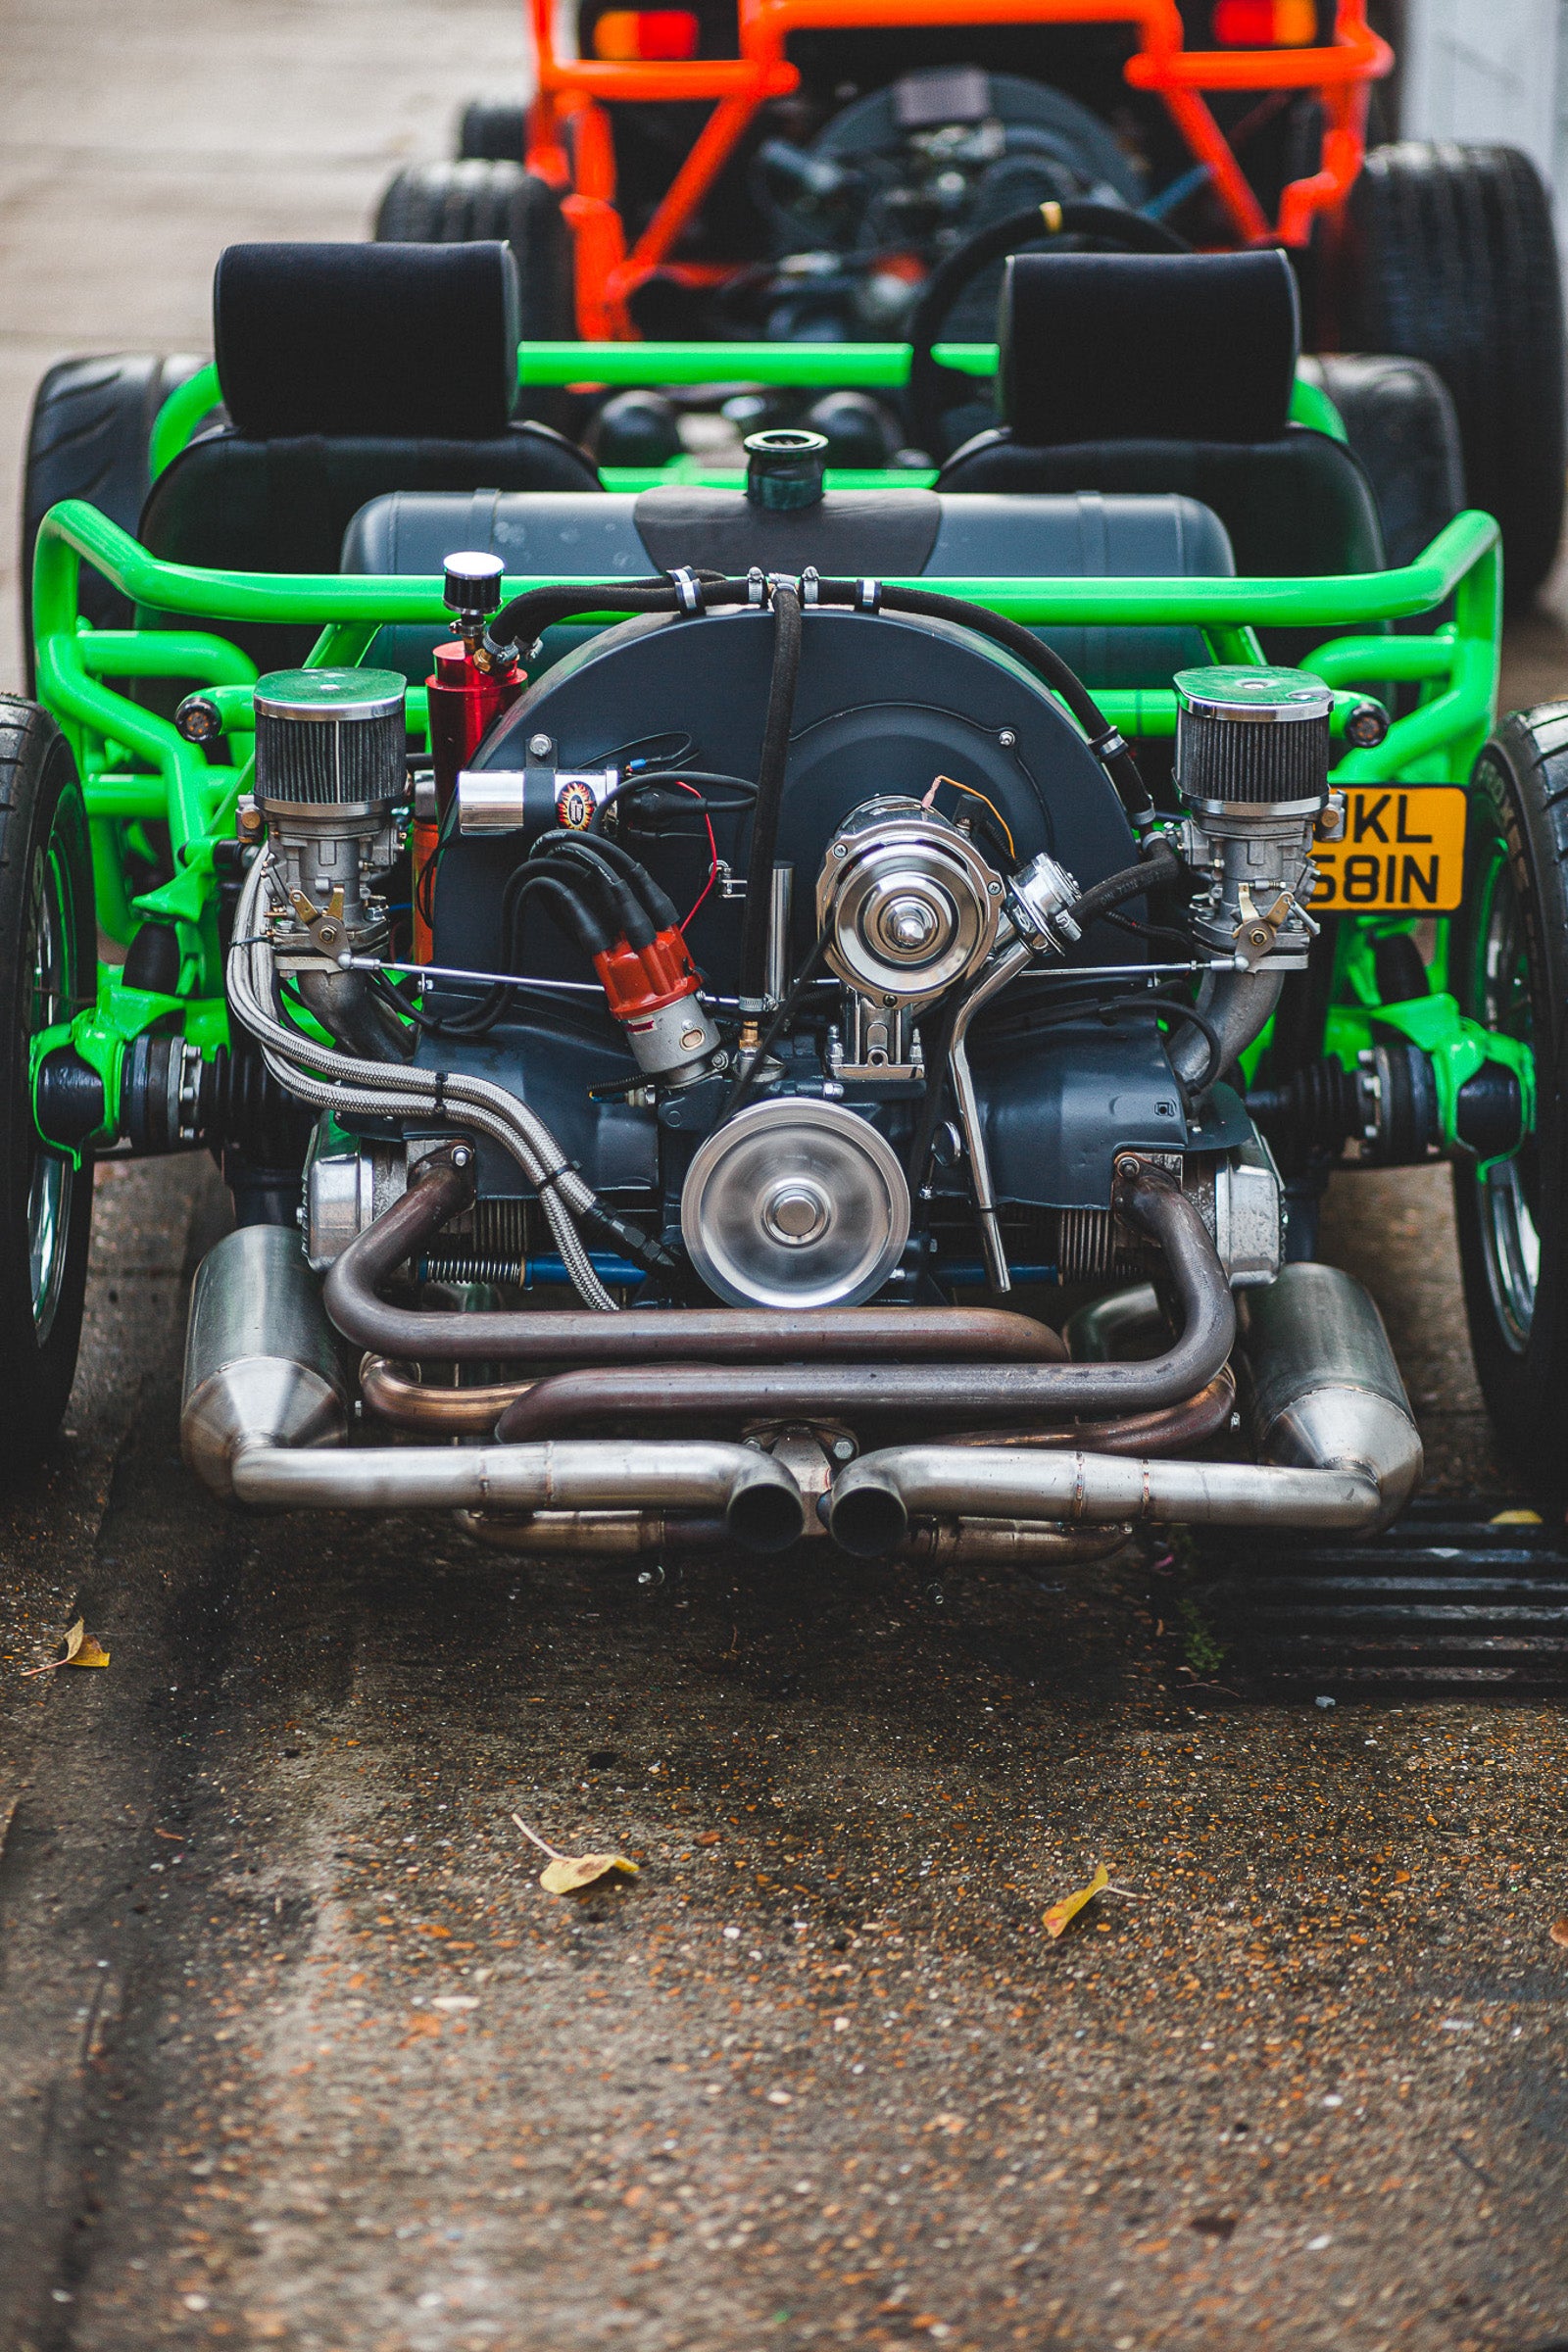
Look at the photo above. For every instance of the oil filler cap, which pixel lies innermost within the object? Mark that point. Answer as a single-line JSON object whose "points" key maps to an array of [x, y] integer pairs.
{"points": [[784, 469]]}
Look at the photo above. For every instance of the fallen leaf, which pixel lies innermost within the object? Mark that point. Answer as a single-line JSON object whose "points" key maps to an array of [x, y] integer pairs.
{"points": [[570, 1874], [1213, 2225], [1061, 1915], [81, 1649], [1560, 1930], [1515, 1519]]}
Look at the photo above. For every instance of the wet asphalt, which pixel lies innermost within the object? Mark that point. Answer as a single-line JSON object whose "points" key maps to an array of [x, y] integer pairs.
{"points": [[297, 2051]]}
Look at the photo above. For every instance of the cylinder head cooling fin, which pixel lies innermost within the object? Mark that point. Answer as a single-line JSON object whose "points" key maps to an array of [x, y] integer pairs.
{"points": [[330, 737], [1252, 736]]}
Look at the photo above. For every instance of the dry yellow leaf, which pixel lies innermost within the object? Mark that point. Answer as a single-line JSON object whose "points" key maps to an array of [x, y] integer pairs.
{"points": [[1061, 1915], [570, 1874], [1560, 1930], [81, 1649]]}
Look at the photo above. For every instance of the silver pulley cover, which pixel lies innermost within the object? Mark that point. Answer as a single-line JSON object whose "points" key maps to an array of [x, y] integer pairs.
{"points": [[795, 1203], [908, 903]]}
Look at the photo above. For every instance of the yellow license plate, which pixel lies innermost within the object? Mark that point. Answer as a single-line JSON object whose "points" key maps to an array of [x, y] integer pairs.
{"points": [[1403, 852]]}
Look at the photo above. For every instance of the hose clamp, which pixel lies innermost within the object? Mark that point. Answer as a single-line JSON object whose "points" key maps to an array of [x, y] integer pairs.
{"points": [[756, 585], [688, 591], [868, 596], [811, 585]]}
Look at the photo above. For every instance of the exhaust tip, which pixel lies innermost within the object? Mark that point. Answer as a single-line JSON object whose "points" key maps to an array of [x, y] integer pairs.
{"points": [[867, 1516], [766, 1511]]}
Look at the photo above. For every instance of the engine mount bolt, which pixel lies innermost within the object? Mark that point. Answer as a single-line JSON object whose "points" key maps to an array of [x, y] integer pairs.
{"points": [[540, 746], [843, 1448], [1008, 739], [460, 1156]]}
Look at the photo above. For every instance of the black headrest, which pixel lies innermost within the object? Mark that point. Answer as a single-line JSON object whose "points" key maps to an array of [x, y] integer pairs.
{"points": [[1147, 347], [390, 340]]}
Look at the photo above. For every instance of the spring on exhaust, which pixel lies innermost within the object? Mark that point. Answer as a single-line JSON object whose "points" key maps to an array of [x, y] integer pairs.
{"points": [[444, 1269]]}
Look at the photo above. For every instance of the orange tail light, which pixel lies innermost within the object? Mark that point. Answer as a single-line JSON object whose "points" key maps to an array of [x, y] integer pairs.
{"points": [[669, 34], [1265, 23]]}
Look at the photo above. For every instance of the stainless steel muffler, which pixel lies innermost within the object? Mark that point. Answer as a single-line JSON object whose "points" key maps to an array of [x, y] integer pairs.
{"points": [[1332, 1430], [264, 1419]]}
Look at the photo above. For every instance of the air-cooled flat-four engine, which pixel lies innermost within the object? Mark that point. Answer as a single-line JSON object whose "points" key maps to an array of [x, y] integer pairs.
{"points": [[905, 1051]]}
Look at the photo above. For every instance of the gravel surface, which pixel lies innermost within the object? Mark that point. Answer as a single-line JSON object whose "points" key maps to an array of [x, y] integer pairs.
{"points": [[298, 2052]]}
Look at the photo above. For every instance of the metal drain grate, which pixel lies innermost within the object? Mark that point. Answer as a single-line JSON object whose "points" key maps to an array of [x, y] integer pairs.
{"points": [[1445, 1598]]}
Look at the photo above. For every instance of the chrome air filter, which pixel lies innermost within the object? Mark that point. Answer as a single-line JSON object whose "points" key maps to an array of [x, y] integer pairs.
{"points": [[330, 737], [1251, 737]]}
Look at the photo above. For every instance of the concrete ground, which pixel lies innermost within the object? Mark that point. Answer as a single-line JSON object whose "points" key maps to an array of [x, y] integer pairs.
{"points": [[297, 2052]]}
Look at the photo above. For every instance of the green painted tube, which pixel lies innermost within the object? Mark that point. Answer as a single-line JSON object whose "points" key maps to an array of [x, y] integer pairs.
{"points": [[74, 531], [180, 414]]}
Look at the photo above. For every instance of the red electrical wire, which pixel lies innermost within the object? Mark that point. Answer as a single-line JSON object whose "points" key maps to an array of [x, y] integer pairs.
{"points": [[712, 849]]}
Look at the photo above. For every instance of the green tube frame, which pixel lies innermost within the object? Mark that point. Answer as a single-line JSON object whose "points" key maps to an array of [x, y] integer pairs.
{"points": [[136, 768]]}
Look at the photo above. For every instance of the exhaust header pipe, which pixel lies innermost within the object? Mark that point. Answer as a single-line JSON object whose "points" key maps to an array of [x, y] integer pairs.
{"points": [[264, 1419], [1335, 1442]]}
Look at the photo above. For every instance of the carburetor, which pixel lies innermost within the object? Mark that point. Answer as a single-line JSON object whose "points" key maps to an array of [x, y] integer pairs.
{"points": [[332, 765], [1252, 771]]}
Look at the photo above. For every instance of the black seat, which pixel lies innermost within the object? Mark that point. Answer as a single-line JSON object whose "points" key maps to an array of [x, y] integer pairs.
{"points": [[1171, 372], [348, 370]]}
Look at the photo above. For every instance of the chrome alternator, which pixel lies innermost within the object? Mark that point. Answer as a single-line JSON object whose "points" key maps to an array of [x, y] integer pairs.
{"points": [[795, 1203]]}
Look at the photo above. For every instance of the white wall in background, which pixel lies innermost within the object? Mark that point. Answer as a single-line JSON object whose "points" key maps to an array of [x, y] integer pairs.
{"points": [[1486, 69]]}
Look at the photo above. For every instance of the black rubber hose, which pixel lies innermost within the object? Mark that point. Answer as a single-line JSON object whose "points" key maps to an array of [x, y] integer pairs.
{"points": [[769, 792], [527, 617], [1105, 740], [1158, 868], [1106, 222]]}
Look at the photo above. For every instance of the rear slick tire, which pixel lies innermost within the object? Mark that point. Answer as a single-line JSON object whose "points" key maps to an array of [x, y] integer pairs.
{"points": [[89, 437], [1510, 973], [485, 198], [1452, 258], [48, 971]]}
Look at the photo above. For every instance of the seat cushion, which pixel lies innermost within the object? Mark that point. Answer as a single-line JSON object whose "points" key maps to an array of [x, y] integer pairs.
{"points": [[395, 341], [1140, 346], [1085, 536]]}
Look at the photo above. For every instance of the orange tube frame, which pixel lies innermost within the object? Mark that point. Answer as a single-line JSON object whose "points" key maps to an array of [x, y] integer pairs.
{"points": [[570, 143]]}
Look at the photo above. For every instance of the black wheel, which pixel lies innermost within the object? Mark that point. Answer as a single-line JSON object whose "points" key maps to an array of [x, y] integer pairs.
{"points": [[1454, 260], [48, 969], [1510, 973], [492, 130], [473, 202], [1401, 423], [88, 438]]}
